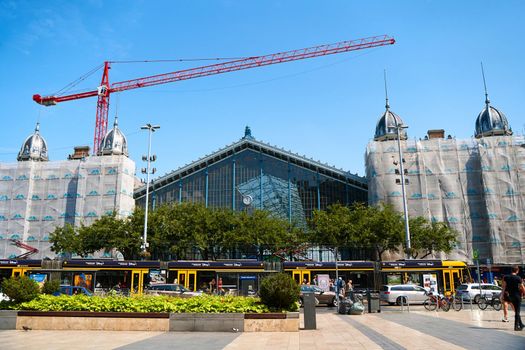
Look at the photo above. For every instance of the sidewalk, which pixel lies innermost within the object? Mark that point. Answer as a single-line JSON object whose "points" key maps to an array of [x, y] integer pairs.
{"points": [[389, 329]]}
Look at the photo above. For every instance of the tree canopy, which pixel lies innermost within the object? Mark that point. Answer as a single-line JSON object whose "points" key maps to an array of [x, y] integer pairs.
{"points": [[189, 230]]}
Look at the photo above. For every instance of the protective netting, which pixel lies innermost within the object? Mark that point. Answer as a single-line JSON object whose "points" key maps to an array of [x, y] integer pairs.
{"points": [[476, 186], [37, 197]]}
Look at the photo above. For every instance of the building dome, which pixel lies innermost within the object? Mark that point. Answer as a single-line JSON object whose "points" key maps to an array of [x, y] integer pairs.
{"points": [[34, 147], [491, 122], [114, 143], [386, 126]]}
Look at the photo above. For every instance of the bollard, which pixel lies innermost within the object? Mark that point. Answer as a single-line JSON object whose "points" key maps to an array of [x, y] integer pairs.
{"points": [[402, 299], [309, 302]]}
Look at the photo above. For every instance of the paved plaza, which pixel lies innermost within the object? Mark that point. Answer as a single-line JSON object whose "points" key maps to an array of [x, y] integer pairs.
{"points": [[390, 329]]}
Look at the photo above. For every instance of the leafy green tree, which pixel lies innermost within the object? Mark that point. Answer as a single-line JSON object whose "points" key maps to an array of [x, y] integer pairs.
{"points": [[378, 227], [360, 226], [332, 227], [20, 289], [428, 238], [262, 231], [65, 240]]}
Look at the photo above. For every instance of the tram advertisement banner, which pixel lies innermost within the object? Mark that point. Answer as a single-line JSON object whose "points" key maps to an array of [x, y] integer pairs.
{"points": [[39, 278], [84, 280], [430, 282], [157, 276], [323, 282]]}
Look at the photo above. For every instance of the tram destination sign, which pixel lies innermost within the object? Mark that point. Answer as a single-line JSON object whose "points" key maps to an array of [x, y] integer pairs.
{"points": [[412, 264], [111, 264], [216, 264]]}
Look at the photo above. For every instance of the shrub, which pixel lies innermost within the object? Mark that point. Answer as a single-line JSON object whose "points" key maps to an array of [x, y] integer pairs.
{"points": [[279, 292], [201, 304], [51, 286], [20, 289]]}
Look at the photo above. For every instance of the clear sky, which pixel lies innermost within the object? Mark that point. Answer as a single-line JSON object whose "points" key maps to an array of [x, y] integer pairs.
{"points": [[325, 108]]}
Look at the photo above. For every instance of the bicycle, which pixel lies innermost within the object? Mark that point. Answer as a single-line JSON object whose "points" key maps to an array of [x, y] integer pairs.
{"points": [[436, 301], [455, 302], [494, 301]]}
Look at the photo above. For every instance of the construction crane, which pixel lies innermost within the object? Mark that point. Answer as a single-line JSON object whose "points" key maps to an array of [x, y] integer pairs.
{"points": [[30, 250], [105, 89]]}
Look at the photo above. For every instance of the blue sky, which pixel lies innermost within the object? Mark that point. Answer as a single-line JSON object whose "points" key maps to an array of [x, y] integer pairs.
{"points": [[325, 108]]}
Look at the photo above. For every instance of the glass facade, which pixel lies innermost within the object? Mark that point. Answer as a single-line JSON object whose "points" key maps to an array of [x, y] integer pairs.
{"points": [[251, 175]]}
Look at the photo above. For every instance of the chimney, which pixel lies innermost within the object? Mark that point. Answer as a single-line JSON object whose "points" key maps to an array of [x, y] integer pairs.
{"points": [[80, 152], [436, 134]]}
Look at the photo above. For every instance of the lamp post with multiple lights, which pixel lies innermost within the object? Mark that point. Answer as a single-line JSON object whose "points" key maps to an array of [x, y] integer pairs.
{"points": [[149, 159], [399, 127]]}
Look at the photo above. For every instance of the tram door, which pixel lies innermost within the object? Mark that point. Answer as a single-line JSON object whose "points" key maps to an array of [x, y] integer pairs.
{"points": [[188, 278], [138, 278], [18, 272], [300, 276], [451, 278]]}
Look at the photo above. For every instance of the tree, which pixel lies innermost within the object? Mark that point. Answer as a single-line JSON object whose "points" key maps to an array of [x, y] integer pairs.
{"points": [[261, 231], [428, 238], [65, 240], [377, 228]]}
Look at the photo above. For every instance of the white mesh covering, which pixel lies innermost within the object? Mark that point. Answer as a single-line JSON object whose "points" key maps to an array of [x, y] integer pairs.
{"points": [[36, 197], [476, 186]]}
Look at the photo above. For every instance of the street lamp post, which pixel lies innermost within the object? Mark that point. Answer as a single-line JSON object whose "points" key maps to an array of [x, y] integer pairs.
{"points": [[403, 190], [149, 158]]}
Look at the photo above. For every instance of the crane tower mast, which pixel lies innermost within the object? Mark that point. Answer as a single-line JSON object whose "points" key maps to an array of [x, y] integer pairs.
{"points": [[105, 89]]}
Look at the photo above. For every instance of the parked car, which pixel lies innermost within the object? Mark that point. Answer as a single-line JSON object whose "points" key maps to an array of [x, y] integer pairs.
{"points": [[471, 291], [73, 290], [321, 296], [403, 293], [171, 289]]}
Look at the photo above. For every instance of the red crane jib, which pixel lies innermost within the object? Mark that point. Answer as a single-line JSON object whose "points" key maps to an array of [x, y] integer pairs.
{"points": [[30, 250], [104, 91]]}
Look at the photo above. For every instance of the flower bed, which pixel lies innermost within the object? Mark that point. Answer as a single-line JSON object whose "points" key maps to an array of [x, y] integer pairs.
{"points": [[152, 313]]}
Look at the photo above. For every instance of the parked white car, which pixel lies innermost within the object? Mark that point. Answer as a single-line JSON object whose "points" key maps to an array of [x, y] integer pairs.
{"points": [[471, 291], [403, 293]]}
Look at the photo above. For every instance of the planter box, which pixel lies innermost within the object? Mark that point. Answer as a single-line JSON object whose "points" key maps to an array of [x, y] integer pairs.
{"points": [[279, 322], [84, 320], [198, 322], [131, 321], [8, 319]]}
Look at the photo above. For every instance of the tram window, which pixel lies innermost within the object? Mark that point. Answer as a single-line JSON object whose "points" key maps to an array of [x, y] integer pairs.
{"points": [[203, 280], [393, 278], [4, 274]]}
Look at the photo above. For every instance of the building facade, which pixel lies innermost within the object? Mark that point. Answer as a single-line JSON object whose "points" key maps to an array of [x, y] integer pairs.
{"points": [[250, 174], [38, 195], [476, 186]]}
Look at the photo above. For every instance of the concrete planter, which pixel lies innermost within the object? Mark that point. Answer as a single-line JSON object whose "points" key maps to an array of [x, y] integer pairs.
{"points": [[198, 322], [129, 321], [8, 319], [85, 320], [288, 322]]}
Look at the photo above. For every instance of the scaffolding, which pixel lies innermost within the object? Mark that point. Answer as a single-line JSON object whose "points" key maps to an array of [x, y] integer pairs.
{"points": [[476, 186], [37, 197]]}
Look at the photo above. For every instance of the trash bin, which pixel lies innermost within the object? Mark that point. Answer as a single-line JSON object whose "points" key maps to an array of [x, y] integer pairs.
{"points": [[309, 302], [374, 304]]}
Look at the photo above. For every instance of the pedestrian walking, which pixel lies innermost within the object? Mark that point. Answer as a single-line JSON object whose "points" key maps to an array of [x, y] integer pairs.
{"points": [[514, 290]]}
